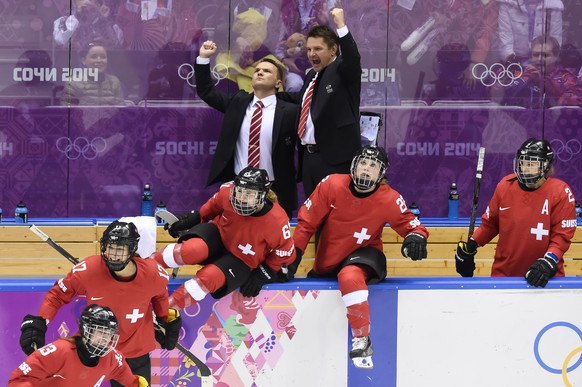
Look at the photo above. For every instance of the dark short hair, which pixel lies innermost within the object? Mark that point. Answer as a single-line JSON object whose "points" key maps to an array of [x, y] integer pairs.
{"points": [[281, 73], [96, 43], [543, 40], [329, 36]]}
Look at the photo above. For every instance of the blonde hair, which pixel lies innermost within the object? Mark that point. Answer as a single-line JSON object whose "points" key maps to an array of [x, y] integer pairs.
{"points": [[271, 196]]}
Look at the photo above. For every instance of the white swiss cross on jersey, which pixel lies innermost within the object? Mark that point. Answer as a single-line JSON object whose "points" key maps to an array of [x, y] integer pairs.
{"points": [[539, 231], [362, 235], [246, 249], [134, 316]]}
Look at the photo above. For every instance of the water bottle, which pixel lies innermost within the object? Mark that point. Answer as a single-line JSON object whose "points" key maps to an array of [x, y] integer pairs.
{"points": [[415, 210], [146, 201], [578, 214], [21, 213], [453, 202], [159, 207]]}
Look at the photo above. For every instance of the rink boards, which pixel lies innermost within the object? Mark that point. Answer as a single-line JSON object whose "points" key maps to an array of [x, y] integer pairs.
{"points": [[477, 332]]}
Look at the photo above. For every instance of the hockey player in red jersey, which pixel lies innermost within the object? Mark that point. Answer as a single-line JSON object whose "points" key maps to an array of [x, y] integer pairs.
{"points": [[86, 359], [533, 214], [247, 244], [130, 286], [352, 211]]}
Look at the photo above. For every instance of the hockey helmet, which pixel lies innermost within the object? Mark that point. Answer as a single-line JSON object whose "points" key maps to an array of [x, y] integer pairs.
{"points": [[99, 330], [533, 161], [247, 195], [369, 166], [115, 238]]}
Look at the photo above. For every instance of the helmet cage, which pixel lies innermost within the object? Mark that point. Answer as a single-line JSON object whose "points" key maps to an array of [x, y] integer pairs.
{"points": [[119, 234], [369, 156], [246, 201], [99, 330], [536, 155], [523, 165], [247, 194]]}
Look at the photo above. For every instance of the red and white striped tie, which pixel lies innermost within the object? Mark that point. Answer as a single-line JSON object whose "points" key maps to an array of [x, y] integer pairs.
{"points": [[254, 155], [305, 108]]}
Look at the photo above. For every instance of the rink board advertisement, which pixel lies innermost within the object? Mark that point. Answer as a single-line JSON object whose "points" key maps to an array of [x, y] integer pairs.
{"points": [[478, 332]]}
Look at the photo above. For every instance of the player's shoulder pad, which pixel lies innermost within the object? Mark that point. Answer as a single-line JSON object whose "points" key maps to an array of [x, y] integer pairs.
{"points": [[153, 271], [91, 263], [228, 184]]}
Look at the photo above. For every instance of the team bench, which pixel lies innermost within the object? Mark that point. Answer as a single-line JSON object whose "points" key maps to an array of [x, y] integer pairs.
{"points": [[23, 254]]}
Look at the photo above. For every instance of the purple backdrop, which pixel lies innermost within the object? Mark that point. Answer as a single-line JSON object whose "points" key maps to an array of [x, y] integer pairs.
{"points": [[93, 161]]}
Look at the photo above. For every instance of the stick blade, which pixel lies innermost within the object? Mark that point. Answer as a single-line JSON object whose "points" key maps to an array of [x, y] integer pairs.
{"points": [[38, 232], [481, 159], [167, 216]]}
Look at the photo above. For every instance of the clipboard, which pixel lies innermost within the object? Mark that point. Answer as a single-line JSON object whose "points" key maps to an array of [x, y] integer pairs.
{"points": [[370, 124]]}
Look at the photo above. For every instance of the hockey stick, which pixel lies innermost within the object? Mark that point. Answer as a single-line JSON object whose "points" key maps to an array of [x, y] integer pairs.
{"points": [[206, 377], [476, 191], [53, 244], [169, 218]]}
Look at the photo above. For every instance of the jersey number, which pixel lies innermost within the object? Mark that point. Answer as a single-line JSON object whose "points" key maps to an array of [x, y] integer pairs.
{"points": [[401, 204], [47, 349], [286, 231], [570, 195]]}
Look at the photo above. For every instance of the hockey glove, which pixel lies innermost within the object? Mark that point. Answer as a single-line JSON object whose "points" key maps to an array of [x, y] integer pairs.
{"points": [[465, 258], [542, 270], [169, 338], [414, 246], [292, 267], [142, 382], [32, 333], [184, 222], [260, 276]]}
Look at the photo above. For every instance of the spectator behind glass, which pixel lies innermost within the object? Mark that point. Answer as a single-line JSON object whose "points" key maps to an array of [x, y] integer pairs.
{"points": [[249, 30], [544, 82], [89, 21], [165, 81], [450, 65], [522, 20], [571, 58], [97, 87], [36, 92], [298, 17]]}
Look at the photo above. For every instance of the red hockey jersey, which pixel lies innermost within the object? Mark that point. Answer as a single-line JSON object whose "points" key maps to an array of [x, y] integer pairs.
{"points": [[58, 365], [529, 224], [130, 301], [253, 239], [350, 222]]}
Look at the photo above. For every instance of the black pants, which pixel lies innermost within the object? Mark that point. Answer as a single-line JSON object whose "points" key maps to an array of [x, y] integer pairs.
{"points": [[315, 168], [141, 366]]}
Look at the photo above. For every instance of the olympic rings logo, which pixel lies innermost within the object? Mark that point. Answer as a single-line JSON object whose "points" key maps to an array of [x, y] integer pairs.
{"points": [[565, 369], [566, 151], [497, 73], [81, 147], [186, 72]]}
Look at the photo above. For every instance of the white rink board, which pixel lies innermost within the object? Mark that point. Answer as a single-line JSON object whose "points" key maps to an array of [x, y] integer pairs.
{"points": [[487, 337], [315, 357]]}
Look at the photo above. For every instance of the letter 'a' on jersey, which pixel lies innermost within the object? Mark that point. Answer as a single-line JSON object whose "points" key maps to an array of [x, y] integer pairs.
{"points": [[533, 161]]}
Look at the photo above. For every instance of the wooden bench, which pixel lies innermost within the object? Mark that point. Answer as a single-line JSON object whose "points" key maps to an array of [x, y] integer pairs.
{"points": [[23, 254]]}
